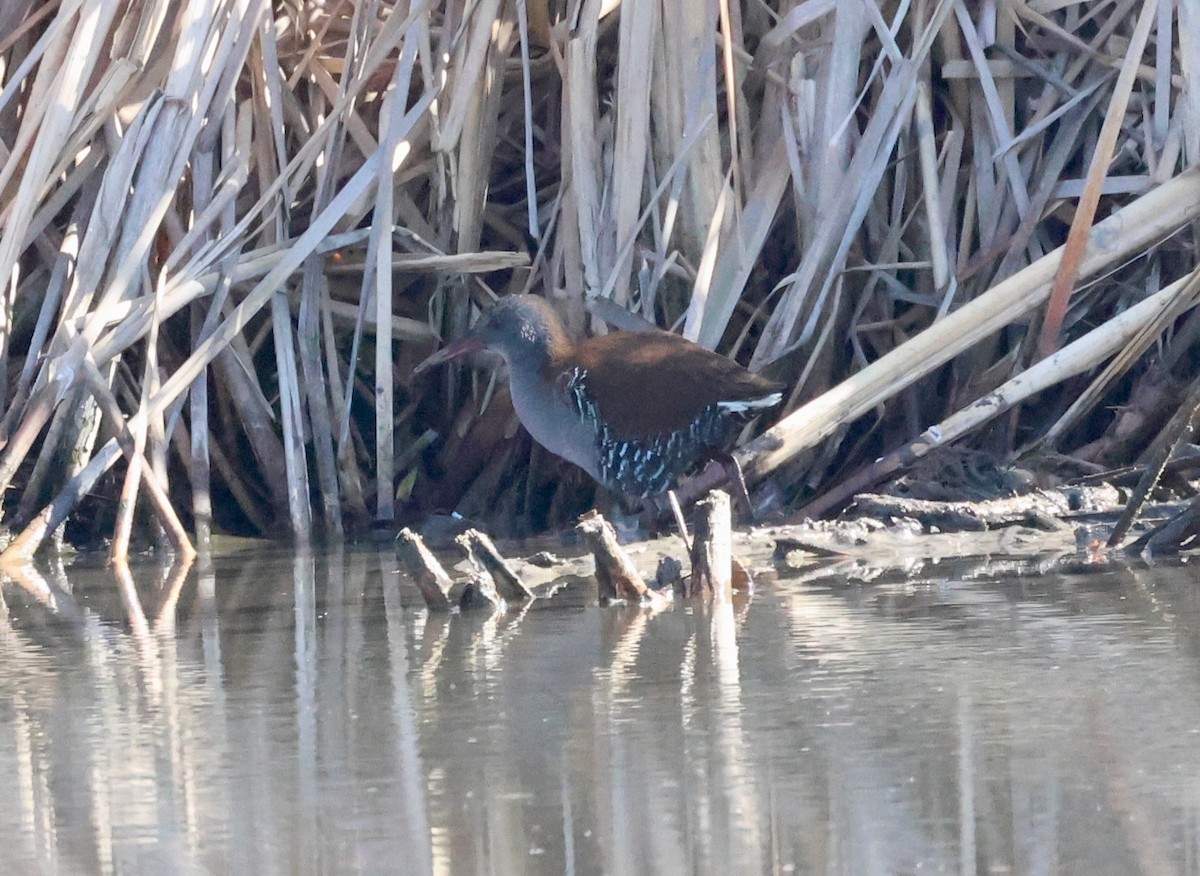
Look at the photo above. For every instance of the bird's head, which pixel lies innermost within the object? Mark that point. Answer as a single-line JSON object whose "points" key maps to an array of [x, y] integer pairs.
{"points": [[523, 329]]}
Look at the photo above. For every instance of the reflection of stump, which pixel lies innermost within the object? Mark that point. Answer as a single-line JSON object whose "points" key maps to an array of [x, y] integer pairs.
{"points": [[712, 548], [481, 592]]}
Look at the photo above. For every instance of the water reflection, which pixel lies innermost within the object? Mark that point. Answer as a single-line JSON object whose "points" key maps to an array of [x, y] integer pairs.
{"points": [[278, 713]]}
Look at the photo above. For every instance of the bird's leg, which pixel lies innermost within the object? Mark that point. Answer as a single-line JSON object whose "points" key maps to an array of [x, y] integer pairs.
{"points": [[733, 471]]}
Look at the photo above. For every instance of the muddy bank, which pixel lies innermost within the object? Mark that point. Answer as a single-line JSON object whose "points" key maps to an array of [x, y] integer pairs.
{"points": [[1062, 529]]}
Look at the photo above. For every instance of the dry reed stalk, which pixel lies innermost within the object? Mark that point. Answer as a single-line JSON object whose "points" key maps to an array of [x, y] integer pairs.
{"points": [[380, 246], [639, 31], [140, 427], [482, 554], [1064, 280], [1136, 327], [584, 167], [1179, 431], [840, 216], [1147, 336], [1142, 223], [294, 453]]}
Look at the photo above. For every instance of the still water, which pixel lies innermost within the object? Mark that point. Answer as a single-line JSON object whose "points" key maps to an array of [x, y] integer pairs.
{"points": [[304, 714]]}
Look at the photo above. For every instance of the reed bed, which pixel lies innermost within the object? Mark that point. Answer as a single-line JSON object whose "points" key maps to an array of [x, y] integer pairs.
{"points": [[230, 229]]}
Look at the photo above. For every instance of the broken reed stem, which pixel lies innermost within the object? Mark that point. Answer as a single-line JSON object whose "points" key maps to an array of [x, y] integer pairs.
{"points": [[199, 456], [128, 501], [40, 408], [712, 548], [616, 575], [480, 550], [431, 579], [481, 592]]}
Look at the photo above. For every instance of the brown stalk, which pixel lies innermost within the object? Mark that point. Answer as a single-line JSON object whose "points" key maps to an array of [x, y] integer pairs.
{"points": [[1085, 212]]}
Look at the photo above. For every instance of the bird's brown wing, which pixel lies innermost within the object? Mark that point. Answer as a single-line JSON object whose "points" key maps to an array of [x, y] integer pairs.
{"points": [[656, 382]]}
